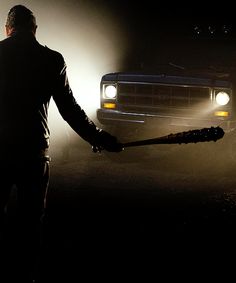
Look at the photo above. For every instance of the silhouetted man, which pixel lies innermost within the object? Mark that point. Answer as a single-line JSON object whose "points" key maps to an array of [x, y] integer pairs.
{"points": [[30, 75]]}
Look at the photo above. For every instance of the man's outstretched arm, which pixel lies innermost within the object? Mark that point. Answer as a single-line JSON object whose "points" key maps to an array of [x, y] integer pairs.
{"points": [[78, 120]]}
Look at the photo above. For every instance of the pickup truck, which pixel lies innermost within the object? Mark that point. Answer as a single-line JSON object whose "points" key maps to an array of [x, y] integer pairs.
{"points": [[187, 83]]}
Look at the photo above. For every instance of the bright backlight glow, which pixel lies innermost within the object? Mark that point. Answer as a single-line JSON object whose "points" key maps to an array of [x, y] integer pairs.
{"points": [[92, 41]]}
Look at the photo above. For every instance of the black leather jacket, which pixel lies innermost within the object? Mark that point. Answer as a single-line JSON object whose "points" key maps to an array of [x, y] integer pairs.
{"points": [[30, 74]]}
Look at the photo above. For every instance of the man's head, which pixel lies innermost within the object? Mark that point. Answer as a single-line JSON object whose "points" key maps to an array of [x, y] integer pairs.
{"points": [[20, 18]]}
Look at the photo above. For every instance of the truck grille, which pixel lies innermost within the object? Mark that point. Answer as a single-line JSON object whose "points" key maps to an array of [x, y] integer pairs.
{"points": [[151, 96]]}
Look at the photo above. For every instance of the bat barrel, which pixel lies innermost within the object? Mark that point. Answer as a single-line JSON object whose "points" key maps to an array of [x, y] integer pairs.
{"points": [[192, 136]]}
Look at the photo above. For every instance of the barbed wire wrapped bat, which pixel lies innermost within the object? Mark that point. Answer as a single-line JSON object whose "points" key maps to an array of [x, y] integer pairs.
{"points": [[192, 136]]}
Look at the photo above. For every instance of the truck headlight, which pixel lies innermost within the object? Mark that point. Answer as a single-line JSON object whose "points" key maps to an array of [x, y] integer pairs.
{"points": [[110, 91], [222, 98]]}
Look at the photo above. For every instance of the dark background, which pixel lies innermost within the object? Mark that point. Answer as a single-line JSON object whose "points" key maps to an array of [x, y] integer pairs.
{"points": [[156, 29]]}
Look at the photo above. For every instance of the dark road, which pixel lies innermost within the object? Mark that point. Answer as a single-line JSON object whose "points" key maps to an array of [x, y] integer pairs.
{"points": [[126, 216], [115, 216]]}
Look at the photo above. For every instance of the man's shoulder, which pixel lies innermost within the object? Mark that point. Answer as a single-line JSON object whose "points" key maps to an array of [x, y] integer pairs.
{"points": [[52, 52], [53, 57], [4, 41]]}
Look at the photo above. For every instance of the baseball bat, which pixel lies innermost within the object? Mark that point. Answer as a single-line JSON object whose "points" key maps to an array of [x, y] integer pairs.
{"points": [[192, 136]]}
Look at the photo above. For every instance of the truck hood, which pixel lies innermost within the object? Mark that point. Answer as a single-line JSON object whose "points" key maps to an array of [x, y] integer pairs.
{"points": [[170, 75]]}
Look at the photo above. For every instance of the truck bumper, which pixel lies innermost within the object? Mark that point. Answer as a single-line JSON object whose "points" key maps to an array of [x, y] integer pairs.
{"points": [[117, 118]]}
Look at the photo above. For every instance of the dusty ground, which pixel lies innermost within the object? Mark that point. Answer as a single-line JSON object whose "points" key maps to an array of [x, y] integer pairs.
{"points": [[127, 215], [140, 214]]}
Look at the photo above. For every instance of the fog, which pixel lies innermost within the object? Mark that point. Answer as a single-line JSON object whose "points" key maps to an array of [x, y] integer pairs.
{"points": [[91, 39]]}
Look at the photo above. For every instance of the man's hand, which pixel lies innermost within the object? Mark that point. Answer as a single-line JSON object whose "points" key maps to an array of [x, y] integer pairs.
{"points": [[108, 142]]}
